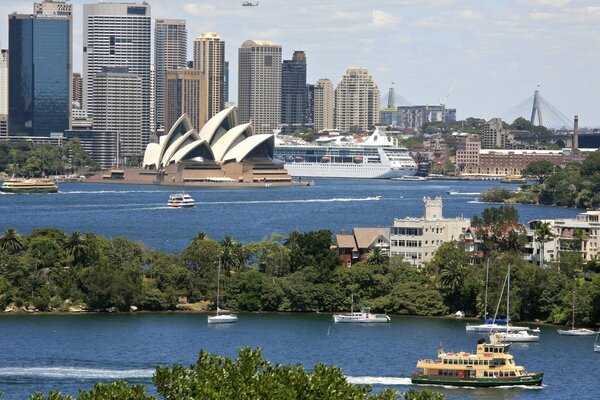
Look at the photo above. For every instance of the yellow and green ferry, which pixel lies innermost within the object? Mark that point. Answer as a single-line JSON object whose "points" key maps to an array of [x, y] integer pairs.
{"points": [[29, 186], [491, 366]]}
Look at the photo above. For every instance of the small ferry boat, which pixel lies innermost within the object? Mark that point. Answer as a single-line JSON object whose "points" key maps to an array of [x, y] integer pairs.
{"points": [[364, 316], [491, 366], [181, 200], [513, 179], [29, 186]]}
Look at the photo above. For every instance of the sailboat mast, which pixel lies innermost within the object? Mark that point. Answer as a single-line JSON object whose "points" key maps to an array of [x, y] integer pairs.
{"points": [[573, 318], [218, 284], [487, 276], [508, 300], [352, 304]]}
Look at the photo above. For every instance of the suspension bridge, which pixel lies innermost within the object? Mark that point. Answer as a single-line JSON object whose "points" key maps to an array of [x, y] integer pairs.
{"points": [[539, 111]]}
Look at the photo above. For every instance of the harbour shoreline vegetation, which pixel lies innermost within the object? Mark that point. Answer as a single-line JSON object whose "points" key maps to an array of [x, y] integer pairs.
{"points": [[575, 186], [245, 378], [52, 271]]}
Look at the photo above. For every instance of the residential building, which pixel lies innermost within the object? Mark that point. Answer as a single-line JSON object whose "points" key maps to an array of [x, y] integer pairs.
{"points": [[3, 92], [323, 109], [117, 106], [170, 52], [259, 85], [467, 152], [494, 135], [77, 90], [309, 111], [226, 83], [416, 116], [356, 246], [119, 35], [39, 70], [356, 101], [417, 239], [100, 145], [185, 93], [294, 96], [209, 58]]}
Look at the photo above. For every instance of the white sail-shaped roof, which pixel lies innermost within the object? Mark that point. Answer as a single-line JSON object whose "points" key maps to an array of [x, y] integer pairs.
{"points": [[180, 128], [231, 139], [186, 150], [189, 137], [241, 151], [152, 154], [223, 120]]}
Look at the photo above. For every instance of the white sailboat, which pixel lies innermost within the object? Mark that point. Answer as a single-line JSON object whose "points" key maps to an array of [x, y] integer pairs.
{"points": [[573, 331], [364, 316], [223, 316], [512, 335], [596, 344]]}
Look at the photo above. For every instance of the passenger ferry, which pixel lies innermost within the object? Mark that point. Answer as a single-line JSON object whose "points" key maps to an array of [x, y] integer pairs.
{"points": [[181, 200], [491, 366], [29, 186], [343, 157]]}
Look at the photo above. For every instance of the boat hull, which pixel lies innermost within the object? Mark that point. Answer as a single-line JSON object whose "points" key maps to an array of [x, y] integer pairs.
{"points": [[29, 190], [577, 332], [222, 319], [346, 170], [534, 379], [597, 348], [517, 338], [360, 320], [494, 327]]}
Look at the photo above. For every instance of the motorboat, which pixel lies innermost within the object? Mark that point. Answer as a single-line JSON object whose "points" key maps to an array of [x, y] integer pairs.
{"points": [[490, 366], [364, 316], [516, 336], [223, 316], [181, 200]]}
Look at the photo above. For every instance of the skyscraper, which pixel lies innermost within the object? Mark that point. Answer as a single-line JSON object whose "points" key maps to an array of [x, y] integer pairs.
{"points": [[170, 52], [209, 57], [309, 111], [185, 93], [39, 70], [294, 95], [259, 85], [356, 101], [117, 106], [118, 35], [323, 105], [77, 88], [226, 83], [3, 92]]}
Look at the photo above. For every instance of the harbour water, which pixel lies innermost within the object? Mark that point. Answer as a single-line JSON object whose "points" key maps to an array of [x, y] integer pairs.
{"points": [[141, 212], [68, 352]]}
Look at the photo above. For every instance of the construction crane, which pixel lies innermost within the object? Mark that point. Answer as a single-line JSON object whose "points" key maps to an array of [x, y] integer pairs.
{"points": [[444, 99], [249, 4]]}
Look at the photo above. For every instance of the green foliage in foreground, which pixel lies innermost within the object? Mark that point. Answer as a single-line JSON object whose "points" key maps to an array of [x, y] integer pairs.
{"points": [[248, 377]]}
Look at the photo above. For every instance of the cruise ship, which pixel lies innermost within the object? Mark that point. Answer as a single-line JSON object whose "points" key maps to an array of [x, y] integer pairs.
{"points": [[378, 156]]}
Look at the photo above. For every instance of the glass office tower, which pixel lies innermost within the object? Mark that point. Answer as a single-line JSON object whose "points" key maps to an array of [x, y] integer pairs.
{"points": [[39, 73]]}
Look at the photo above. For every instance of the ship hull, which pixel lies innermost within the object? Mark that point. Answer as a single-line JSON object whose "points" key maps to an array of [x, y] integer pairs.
{"points": [[29, 190], [528, 380], [346, 170]]}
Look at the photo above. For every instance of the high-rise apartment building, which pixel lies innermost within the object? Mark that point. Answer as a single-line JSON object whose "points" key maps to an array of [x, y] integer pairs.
{"points": [[119, 35], [209, 57], [494, 135], [294, 95], [259, 85], [170, 52], [39, 70], [356, 101], [226, 83], [309, 111], [77, 88], [117, 106], [323, 105], [185, 93], [3, 92]]}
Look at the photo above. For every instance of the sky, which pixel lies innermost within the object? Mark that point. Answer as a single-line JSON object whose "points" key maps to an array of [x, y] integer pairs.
{"points": [[483, 57]]}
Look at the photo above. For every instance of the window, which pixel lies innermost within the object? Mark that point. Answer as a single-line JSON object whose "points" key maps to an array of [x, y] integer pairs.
{"points": [[268, 61]]}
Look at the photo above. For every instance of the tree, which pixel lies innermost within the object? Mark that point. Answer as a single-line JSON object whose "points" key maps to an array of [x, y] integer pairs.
{"points": [[11, 242], [377, 257], [78, 247], [543, 234], [540, 169], [580, 238]]}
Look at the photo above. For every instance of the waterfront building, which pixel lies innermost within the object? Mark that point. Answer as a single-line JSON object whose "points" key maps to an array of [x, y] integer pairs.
{"points": [[417, 239], [39, 70], [356, 246], [77, 90], [467, 152], [323, 105], [100, 145], [494, 135], [294, 95], [119, 35], [209, 58], [356, 101], [416, 116], [259, 85], [117, 106], [170, 52], [3, 92], [185, 93]]}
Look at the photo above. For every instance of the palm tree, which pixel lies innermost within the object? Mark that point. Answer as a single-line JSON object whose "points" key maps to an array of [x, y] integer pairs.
{"points": [[451, 276], [543, 234], [78, 247], [580, 237], [377, 257], [198, 237], [11, 242], [232, 254]]}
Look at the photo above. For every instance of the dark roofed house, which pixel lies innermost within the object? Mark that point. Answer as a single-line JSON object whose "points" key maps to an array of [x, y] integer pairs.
{"points": [[354, 248]]}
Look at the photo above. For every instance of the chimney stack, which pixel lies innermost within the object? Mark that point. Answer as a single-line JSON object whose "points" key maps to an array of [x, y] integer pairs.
{"points": [[575, 133]]}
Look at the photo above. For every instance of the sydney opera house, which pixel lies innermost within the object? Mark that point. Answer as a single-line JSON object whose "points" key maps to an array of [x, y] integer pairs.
{"points": [[222, 152]]}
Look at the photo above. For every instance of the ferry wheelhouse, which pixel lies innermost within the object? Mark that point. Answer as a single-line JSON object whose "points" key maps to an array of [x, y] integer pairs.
{"points": [[492, 365]]}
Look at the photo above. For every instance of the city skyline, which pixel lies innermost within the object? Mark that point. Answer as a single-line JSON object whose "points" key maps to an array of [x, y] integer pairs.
{"points": [[496, 52]]}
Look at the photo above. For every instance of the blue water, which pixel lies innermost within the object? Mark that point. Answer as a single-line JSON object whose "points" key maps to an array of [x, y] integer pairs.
{"points": [[140, 212], [68, 352]]}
